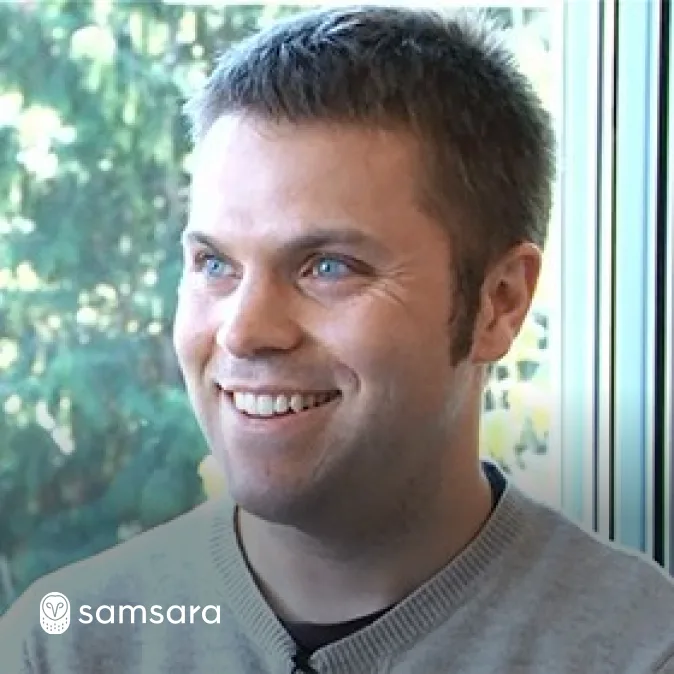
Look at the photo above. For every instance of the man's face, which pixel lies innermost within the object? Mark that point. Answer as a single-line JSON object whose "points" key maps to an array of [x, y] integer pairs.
{"points": [[312, 322]]}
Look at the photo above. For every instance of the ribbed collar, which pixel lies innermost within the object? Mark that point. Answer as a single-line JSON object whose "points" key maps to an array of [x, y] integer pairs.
{"points": [[399, 628]]}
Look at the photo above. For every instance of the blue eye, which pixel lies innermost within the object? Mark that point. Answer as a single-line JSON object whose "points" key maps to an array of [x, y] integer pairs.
{"points": [[330, 268], [213, 267]]}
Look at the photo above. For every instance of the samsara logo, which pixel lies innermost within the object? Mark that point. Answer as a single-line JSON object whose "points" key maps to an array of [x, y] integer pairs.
{"points": [[55, 613]]}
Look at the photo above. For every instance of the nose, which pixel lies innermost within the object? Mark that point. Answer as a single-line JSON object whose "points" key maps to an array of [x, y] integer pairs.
{"points": [[258, 318]]}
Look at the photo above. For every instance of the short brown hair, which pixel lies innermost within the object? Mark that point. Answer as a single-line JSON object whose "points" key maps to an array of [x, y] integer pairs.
{"points": [[487, 142]]}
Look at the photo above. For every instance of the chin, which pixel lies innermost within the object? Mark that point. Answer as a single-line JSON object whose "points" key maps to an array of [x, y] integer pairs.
{"points": [[276, 505], [272, 495]]}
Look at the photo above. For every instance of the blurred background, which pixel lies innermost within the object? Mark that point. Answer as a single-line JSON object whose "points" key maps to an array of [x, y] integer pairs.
{"points": [[97, 439]]}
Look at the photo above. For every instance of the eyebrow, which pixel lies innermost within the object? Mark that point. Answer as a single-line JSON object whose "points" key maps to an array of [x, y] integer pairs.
{"points": [[311, 240]]}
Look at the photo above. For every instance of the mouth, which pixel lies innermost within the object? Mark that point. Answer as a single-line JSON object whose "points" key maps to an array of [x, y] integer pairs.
{"points": [[278, 405]]}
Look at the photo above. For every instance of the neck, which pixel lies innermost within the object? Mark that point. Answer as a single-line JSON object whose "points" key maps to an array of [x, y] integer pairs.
{"points": [[320, 579]]}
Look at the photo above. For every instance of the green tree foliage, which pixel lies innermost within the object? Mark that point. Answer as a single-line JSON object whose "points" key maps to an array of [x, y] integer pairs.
{"points": [[97, 441]]}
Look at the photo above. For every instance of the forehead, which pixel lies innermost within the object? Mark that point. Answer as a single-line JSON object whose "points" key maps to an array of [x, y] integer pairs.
{"points": [[321, 146], [250, 171]]}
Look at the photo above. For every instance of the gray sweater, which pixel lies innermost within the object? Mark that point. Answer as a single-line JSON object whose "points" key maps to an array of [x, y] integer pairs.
{"points": [[532, 593]]}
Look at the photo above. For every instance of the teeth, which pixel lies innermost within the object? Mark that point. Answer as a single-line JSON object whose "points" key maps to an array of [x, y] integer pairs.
{"points": [[266, 405], [282, 404], [296, 402], [240, 401]]}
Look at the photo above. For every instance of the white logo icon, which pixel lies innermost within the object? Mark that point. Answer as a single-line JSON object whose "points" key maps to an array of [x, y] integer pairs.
{"points": [[55, 613]]}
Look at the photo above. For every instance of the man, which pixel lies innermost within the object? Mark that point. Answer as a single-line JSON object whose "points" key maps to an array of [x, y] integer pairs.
{"points": [[369, 203]]}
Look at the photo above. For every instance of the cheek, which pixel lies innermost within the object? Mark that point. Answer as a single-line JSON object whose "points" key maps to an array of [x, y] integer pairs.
{"points": [[192, 335], [388, 346]]}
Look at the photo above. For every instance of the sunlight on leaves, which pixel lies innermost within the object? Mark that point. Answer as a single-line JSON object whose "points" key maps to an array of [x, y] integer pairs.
{"points": [[107, 292], [13, 405], [54, 322], [9, 352], [93, 42], [25, 278], [527, 399], [150, 277], [158, 39], [212, 477], [187, 28], [500, 433], [6, 279], [42, 165], [37, 125], [11, 103], [63, 438], [86, 316]]}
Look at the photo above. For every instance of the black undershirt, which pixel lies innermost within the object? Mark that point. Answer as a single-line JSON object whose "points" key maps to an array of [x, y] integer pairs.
{"points": [[310, 636]]}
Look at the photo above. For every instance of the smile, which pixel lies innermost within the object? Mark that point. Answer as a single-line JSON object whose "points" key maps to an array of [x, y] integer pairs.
{"points": [[267, 405]]}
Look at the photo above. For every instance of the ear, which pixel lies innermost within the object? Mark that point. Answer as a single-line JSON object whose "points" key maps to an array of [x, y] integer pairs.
{"points": [[505, 300]]}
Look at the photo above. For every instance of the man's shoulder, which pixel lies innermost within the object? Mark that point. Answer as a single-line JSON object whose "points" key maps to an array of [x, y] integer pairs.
{"points": [[596, 584], [585, 560], [605, 601], [150, 549], [129, 568], [162, 567], [598, 554]]}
